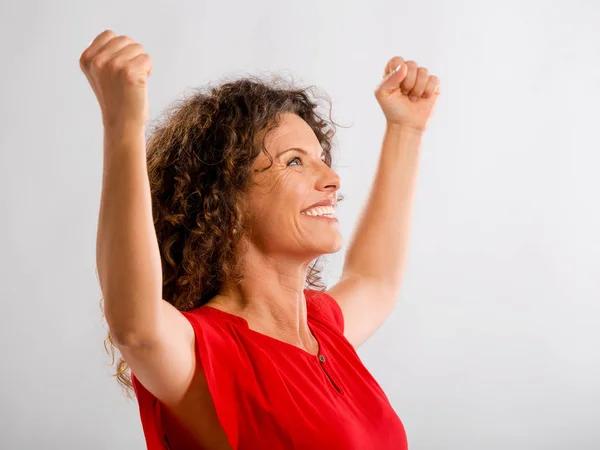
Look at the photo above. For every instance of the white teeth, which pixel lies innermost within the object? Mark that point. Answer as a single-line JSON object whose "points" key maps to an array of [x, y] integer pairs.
{"points": [[320, 211]]}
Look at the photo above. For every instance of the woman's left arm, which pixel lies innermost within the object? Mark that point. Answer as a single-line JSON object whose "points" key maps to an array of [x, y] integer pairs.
{"points": [[377, 254]]}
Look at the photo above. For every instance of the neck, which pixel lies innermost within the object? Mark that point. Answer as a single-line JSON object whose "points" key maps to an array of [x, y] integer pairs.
{"points": [[271, 297]]}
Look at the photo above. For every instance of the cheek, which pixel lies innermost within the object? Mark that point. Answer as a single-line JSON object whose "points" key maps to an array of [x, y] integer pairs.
{"points": [[301, 192], [277, 201], [290, 191], [297, 191]]}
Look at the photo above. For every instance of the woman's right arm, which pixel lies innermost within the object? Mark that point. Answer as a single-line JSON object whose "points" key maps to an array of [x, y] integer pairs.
{"points": [[155, 339], [127, 252]]}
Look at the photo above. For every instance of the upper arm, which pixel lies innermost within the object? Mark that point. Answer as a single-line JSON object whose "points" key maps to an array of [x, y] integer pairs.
{"points": [[365, 304], [165, 364]]}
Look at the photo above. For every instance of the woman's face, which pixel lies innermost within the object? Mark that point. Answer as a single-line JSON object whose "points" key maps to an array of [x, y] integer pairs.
{"points": [[279, 197]]}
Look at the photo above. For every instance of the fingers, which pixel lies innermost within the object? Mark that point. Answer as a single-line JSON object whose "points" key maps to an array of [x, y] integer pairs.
{"points": [[105, 48], [125, 54], [92, 50], [433, 86], [411, 77], [392, 65], [393, 74], [414, 81], [391, 82], [142, 62], [422, 78], [119, 53], [109, 51]]}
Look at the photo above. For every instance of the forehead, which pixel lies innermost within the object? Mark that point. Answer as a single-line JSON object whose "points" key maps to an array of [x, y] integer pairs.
{"points": [[292, 131]]}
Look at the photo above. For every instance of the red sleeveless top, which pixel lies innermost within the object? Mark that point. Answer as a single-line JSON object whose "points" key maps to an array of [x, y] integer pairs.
{"points": [[269, 394]]}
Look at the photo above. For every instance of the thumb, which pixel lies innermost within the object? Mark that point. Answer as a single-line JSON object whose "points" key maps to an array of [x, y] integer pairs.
{"points": [[392, 80]]}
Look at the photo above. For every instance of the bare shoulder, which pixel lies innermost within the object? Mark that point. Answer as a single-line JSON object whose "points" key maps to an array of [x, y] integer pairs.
{"points": [[365, 305], [166, 363], [166, 366]]}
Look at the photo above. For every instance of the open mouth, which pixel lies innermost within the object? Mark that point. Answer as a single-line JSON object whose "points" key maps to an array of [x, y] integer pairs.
{"points": [[326, 212]]}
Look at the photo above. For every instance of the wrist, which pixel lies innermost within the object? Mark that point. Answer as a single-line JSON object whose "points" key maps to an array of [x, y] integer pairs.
{"points": [[404, 129], [121, 141], [124, 131]]}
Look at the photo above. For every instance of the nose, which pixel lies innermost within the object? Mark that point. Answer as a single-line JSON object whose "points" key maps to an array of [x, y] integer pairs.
{"points": [[328, 180]]}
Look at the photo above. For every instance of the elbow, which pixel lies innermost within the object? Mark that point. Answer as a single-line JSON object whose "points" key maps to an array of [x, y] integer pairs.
{"points": [[125, 338], [125, 332]]}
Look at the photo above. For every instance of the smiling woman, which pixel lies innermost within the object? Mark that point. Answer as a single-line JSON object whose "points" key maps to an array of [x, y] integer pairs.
{"points": [[298, 179], [208, 240]]}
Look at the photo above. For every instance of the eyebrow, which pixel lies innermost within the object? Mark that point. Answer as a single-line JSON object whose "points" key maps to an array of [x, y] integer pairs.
{"points": [[301, 150]]}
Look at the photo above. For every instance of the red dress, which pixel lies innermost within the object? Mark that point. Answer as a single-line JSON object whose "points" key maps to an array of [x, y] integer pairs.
{"points": [[269, 394]]}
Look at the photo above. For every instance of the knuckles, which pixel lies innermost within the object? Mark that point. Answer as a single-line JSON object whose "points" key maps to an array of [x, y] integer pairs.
{"points": [[104, 60]]}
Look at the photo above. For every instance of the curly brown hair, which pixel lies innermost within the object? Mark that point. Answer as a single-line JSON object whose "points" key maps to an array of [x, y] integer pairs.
{"points": [[199, 162]]}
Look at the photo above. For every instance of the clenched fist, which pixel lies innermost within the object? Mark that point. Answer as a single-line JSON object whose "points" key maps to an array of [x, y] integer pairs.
{"points": [[407, 94], [117, 69]]}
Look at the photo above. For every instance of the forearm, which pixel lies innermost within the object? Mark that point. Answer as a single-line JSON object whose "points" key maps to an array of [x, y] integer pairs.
{"points": [[127, 253], [379, 247]]}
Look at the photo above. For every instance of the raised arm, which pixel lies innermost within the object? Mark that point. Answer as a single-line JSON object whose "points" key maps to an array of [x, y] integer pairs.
{"points": [[154, 338], [377, 255], [127, 252]]}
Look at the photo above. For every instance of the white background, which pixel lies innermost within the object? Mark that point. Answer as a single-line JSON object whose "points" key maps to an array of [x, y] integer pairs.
{"points": [[494, 343]]}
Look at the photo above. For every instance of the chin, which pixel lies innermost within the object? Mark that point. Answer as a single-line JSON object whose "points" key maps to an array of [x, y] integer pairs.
{"points": [[332, 246]]}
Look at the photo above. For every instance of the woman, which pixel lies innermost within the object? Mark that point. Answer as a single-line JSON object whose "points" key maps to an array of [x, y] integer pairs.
{"points": [[204, 251]]}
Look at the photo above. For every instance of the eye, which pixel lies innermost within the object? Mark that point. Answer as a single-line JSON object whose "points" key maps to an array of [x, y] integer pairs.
{"points": [[294, 159], [323, 158]]}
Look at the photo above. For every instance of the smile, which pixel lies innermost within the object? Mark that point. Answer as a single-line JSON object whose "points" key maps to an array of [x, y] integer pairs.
{"points": [[319, 211]]}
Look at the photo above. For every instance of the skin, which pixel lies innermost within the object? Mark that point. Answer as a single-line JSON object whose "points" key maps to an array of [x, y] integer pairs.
{"points": [[155, 339], [284, 241]]}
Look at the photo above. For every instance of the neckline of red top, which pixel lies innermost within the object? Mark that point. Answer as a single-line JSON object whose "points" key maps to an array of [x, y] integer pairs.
{"points": [[244, 323]]}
